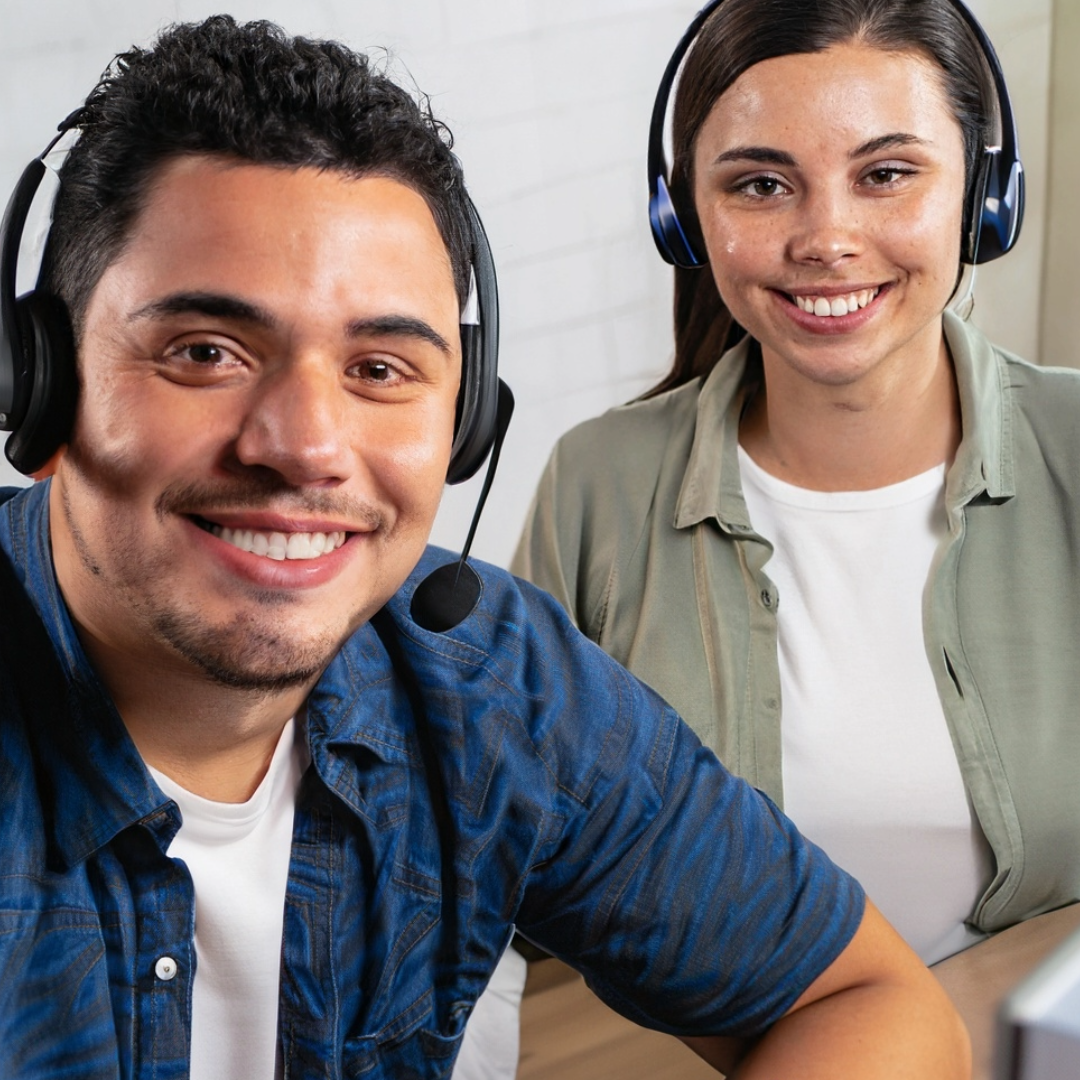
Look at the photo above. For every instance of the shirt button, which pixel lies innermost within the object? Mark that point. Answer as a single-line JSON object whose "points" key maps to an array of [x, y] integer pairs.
{"points": [[766, 598], [165, 969]]}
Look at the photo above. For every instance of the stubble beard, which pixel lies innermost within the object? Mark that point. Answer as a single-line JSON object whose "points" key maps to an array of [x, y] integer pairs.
{"points": [[247, 653], [243, 655]]}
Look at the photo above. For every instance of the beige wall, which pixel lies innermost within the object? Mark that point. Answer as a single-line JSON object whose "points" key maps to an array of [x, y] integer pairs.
{"points": [[1060, 308], [1008, 292]]}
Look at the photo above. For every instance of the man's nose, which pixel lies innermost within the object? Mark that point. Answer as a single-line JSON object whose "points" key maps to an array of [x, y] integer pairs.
{"points": [[298, 423]]}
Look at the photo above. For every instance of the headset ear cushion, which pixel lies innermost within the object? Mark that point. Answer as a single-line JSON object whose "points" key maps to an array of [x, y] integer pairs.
{"points": [[45, 326], [677, 244], [1002, 210], [971, 228]]}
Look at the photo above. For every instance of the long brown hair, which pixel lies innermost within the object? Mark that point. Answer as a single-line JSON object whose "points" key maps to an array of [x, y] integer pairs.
{"points": [[742, 33]]}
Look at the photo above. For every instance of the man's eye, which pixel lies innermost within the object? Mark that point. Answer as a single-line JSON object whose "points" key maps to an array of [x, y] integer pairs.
{"points": [[380, 372], [205, 353], [202, 354]]}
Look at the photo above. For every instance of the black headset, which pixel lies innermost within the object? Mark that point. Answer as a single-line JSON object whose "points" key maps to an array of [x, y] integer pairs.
{"points": [[39, 385], [992, 217]]}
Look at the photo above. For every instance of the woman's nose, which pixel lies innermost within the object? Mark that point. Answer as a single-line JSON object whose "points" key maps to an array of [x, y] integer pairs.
{"points": [[828, 230]]}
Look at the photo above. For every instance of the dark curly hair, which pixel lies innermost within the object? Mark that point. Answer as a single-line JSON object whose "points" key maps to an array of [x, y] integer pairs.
{"points": [[249, 92]]}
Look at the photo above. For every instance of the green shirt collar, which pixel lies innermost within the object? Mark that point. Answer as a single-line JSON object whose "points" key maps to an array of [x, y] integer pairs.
{"points": [[711, 487]]}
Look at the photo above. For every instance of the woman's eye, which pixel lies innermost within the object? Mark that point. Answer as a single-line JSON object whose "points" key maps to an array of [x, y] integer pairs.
{"points": [[761, 187], [886, 175]]}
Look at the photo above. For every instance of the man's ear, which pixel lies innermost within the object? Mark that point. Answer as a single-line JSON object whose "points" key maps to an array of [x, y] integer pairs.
{"points": [[50, 466]]}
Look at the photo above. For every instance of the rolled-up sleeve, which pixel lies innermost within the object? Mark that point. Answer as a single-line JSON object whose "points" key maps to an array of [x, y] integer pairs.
{"points": [[688, 900]]}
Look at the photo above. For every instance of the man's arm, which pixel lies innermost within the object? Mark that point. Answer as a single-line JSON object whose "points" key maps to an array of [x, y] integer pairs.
{"points": [[875, 1012]]}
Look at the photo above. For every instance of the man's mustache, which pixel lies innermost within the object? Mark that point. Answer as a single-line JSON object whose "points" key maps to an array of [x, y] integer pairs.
{"points": [[264, 493]]}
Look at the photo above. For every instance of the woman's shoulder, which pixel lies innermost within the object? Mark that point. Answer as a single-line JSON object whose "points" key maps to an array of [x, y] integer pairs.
{"points": [[1040, 398], [629, 438], [1046, 395]]}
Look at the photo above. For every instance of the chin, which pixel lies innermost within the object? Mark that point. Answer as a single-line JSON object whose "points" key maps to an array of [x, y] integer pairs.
{"points": [[247, 656]]}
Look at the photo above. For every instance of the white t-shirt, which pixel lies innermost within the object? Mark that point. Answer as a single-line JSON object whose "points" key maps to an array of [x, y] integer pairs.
{"points": [[869, 770], [238, 857]]}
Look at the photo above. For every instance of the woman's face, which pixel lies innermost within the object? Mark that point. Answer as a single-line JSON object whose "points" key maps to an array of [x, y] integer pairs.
{"points": [[830, 187]]}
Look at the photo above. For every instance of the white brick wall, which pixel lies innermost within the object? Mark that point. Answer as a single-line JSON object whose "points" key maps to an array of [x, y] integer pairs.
{"points": [[549, 101]]}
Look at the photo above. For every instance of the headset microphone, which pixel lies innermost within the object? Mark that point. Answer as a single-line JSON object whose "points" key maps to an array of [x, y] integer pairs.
{"points": [[449, 595]]}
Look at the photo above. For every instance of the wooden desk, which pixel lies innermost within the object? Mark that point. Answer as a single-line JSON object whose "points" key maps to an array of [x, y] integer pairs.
{"points": [[569, 1034], [979, 978]]}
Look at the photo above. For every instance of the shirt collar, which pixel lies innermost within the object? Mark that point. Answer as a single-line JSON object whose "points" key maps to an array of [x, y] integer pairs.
{"points": [[984, 459], [711, 486]]}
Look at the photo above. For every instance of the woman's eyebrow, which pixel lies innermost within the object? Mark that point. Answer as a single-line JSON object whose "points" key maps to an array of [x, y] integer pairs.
{"points": [[766, 155], [762, 155], [887, 142]]}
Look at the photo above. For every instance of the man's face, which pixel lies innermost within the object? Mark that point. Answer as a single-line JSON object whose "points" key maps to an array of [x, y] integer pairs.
{"points": [[269, 374]]}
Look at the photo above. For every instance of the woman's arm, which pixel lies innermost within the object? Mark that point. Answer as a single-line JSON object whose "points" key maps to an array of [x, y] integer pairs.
{"points": [[875, 1012]]}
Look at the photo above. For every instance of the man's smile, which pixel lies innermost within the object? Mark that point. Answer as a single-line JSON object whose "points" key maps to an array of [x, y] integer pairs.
{"points": [[277, 545]]}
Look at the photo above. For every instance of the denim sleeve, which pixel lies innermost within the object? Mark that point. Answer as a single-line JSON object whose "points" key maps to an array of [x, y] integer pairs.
{"points": [[688, 900]]}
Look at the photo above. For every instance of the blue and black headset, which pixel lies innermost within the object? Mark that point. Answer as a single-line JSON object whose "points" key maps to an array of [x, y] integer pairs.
{"points": [[992, 218]]}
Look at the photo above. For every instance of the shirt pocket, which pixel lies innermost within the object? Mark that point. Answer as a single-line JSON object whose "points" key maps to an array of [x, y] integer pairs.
{"points": [[410, 1047], [54, 995]]}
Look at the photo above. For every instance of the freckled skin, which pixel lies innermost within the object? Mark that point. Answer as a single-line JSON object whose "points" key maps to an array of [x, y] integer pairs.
{"points": [[827, 223], [202, 414]]}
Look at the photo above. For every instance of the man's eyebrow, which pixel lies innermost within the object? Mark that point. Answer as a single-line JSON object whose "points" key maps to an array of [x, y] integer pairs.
{"points": [[223, 306], [401, 326], [217, 305]]}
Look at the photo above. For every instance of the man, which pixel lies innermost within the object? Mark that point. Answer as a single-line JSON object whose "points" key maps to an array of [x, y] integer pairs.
{"points": [[254, 819]]}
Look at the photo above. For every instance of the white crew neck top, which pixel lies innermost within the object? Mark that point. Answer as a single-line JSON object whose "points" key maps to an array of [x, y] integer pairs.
{"points": [[238, 857], [869, 770]]}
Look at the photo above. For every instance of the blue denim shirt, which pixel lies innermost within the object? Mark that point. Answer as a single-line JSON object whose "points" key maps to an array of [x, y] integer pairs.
{"points": [[505, 772]]}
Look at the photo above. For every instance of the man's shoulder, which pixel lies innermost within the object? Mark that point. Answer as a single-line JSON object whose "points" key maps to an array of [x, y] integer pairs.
{"points": [[512, 623], [516, 667]]}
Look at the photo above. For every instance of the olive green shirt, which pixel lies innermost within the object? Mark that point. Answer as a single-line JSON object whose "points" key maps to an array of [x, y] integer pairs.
{"points": [[640, 529]]}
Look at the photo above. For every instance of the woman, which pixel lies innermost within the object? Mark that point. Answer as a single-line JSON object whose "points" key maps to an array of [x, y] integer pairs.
{"points": [[862, 509]]}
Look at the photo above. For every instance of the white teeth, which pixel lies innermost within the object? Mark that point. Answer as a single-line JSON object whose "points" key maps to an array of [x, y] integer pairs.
{"points": [[834, 307], [278, 545]]}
